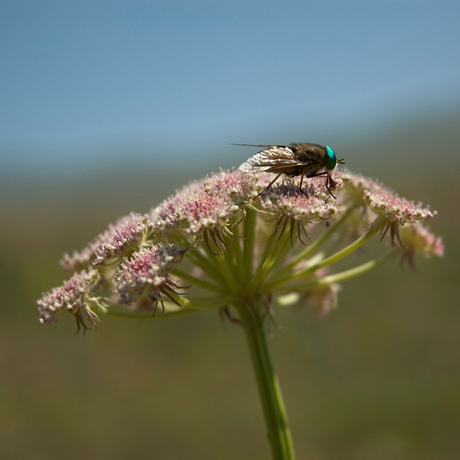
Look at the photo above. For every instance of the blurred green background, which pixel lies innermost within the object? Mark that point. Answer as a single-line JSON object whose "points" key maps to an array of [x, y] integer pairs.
{"points": [[109, 107]]}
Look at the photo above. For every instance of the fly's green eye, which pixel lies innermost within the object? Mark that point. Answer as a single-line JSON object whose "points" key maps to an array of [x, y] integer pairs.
{"points": [[331, 159]]}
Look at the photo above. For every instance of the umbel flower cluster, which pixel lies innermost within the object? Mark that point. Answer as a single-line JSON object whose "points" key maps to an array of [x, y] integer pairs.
{"points": [[229, 238]]}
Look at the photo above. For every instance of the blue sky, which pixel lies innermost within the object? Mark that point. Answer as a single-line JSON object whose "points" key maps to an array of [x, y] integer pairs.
{"points": [[172, 78]]}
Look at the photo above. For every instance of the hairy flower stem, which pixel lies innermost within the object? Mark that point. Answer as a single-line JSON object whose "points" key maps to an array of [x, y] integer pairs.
{"points": [[253, 313]]}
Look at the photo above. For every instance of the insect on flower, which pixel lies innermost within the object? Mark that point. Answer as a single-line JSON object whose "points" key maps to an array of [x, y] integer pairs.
{"points": [[305, 160]]}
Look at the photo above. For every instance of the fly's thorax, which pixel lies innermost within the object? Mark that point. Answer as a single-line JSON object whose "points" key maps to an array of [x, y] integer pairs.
{"points": [[309, 153]]}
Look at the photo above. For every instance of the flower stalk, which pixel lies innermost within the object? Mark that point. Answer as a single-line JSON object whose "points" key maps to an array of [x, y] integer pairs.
{"points": [[253, 319]]}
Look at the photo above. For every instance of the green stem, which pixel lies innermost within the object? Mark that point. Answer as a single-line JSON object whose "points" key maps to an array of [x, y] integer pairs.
{"points": [[204, 303], [347, 250], [279, 248], [237, 250], [356, 271], [343, 275], [206, 262], [253, 316], [311, 248], [138, 316], [329, 260], [249, 239], [188, 306], [227, 274], [198, 282]]}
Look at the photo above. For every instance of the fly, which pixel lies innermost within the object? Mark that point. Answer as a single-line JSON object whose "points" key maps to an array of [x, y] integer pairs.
{"points": [[304, 160]]}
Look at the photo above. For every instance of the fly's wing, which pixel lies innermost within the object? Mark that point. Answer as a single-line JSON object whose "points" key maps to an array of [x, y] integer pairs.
{"points": [[276, 159]]}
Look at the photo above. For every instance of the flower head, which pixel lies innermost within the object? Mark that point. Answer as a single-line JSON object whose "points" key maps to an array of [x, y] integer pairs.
{"points": [[419, 240], [147, 273], [295, 209], [119, 240], [236, 236], [75, 296], [394, 208], [203, 210], [236, 187]]}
